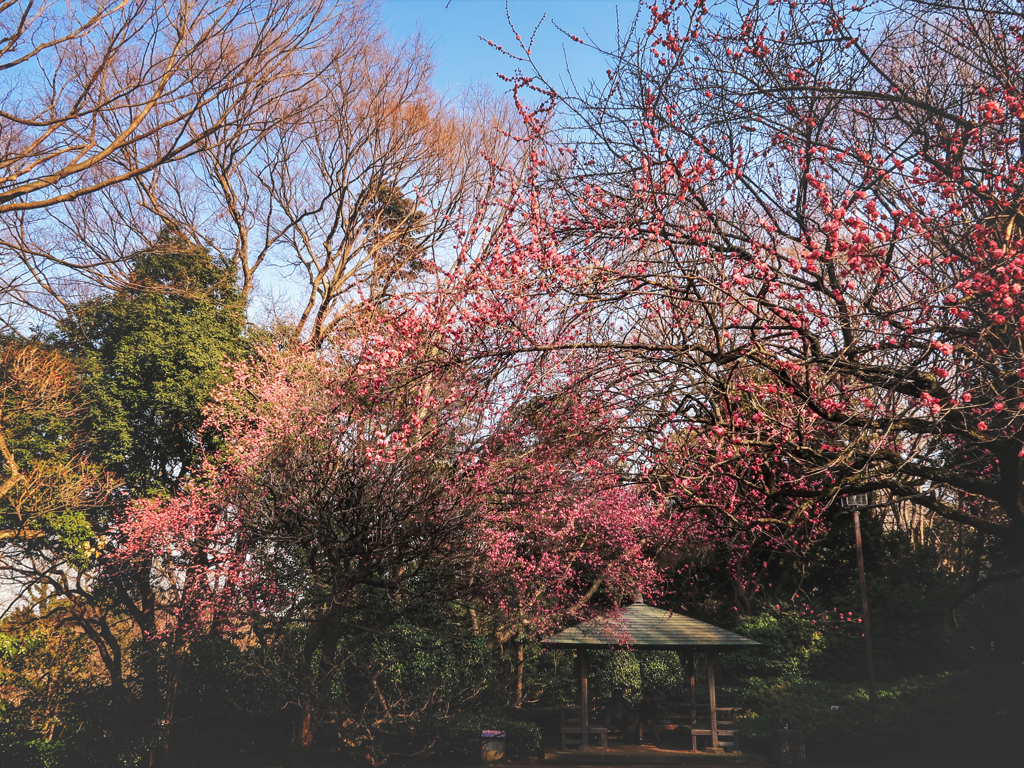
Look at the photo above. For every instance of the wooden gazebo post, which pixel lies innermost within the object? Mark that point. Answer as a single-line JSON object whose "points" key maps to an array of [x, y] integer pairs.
{"points": [[688, 660], [693, 687], [711, 699], [584, 698]]}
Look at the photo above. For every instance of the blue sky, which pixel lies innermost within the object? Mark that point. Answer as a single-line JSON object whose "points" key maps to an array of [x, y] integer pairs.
{"points": [[462, 58]]}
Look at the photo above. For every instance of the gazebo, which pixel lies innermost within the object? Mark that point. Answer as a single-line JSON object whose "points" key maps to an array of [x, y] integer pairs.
{"points": [[644, 627]]}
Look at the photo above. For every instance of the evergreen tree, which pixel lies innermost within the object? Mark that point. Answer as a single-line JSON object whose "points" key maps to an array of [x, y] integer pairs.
{"points": [[151, 354]]}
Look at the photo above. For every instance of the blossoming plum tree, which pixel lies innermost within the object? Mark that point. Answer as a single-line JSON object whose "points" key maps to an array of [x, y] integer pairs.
{"points": [[387, 478], [797, 226]]}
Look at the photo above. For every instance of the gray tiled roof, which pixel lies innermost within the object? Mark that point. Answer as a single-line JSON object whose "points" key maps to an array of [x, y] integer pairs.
{"points": [[644, 626]]}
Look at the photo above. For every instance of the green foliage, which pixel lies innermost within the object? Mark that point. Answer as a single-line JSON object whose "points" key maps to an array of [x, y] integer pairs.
{"points": [[228, 700], [397, 686], [220, 677], [34, 752], [789, 647], [10, 648], [46, 667], [550, 677], [619, 670], [661, 672], [43, 662], [954, 716], [151, 354], [419, 666]]}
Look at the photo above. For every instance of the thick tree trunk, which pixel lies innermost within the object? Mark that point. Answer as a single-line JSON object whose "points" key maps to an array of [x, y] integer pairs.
{"points": [[149, 664], [143, 613], [323, 635], [306, 729]]}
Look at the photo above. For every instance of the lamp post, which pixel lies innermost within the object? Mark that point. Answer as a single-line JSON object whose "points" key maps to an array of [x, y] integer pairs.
{"points": [[854, 502]]}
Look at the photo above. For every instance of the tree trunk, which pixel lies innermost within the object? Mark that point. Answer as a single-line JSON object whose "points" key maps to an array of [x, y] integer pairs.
{"points": [[305, 728], [519, 674], [323, 635], [144, 614]]}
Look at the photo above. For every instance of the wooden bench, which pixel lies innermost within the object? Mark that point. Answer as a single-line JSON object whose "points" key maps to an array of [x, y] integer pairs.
{"points": [[572, 729], [678, 715], [726, 726]]}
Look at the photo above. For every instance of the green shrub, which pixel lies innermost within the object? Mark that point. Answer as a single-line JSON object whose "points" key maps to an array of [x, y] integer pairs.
{"points": [[958, 716], [34, 753], [789, 646]]}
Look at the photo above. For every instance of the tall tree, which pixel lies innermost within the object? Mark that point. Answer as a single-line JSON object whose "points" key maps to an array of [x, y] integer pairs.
{"points": [[100, 93], [150, 356], [52, 500], [355, 189], [394, 477]]}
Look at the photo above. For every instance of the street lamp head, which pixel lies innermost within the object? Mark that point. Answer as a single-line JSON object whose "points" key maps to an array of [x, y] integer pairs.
{"points": [[854, 500]]}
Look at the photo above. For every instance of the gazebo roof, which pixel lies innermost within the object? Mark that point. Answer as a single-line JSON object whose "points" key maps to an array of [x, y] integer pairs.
{"points": [[646, 627]]}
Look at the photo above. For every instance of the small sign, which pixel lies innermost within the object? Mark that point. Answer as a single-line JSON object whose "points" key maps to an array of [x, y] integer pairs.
{"points": [[492, 748]]}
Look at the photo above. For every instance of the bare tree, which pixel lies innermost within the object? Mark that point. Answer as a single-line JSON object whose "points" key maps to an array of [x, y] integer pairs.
{"points": [[337, 191], [98, 93], [104, 91], [351, 194]]}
